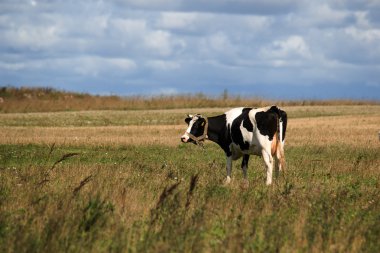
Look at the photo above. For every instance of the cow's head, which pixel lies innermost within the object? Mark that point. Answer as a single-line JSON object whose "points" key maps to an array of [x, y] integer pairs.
{"points": [[197, 129]]}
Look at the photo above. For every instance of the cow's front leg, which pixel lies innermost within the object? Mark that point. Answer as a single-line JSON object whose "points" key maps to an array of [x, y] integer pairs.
{"points": [[229, 169], [268, 159], [244, 167]]}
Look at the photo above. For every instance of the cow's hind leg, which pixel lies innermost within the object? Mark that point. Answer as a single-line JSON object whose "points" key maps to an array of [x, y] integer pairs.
{"points": [[280, 157], [268, 159]]}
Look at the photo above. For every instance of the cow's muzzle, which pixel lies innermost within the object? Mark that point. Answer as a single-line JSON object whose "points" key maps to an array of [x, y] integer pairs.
{"points": [[185, 139]]}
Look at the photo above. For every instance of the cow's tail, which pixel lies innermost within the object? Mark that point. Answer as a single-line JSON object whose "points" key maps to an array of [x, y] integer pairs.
{"points": [[281, 130]]}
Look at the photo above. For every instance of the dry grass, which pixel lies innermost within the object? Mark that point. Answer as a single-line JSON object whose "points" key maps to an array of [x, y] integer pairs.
{"points": [[160, 117], [360, 131], [356, 130], [111, 136]]}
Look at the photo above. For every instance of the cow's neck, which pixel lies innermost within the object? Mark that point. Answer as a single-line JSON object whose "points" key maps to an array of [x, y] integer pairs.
{"points": [[215, 128]]}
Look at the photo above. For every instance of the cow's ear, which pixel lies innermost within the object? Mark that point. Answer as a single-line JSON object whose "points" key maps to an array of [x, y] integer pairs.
{"points": [[187, 120]]}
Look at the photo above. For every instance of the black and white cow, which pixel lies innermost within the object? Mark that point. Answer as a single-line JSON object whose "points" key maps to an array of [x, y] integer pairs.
{"points": [[242, 132]]}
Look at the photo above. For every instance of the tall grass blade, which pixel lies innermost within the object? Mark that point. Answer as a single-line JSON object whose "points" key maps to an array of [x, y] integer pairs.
{"points": [[81, 184], [193, 183], [64, 157]]}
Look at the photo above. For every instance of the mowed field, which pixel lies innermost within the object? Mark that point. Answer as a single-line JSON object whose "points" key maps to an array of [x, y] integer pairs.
{"points": [[121, 181]]}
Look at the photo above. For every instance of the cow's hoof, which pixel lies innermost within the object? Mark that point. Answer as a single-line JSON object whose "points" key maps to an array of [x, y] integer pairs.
{"points": [[227, 181], [245, 184]]}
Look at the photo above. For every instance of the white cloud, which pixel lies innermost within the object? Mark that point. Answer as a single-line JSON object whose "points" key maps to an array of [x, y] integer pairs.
{"points": [[122, 64], [162, 43], [365, 36], [220, 42], [258, 23], [177, 20], [129, 26], [163, 65], [159, 42], [323, 14], [94, 66], [32, 37], [12, 66], [82, 65], [293, 46]]}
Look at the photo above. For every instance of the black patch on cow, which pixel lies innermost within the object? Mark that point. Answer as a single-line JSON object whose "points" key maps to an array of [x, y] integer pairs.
{"points": [[247, 122], [283, 117], [198, 128], [219, 132], [227, 143], [267, 122], [237, 136], [187, 120]]}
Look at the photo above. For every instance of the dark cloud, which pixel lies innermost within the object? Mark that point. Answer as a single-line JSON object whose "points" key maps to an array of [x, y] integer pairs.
{"points": [[262, 7]]}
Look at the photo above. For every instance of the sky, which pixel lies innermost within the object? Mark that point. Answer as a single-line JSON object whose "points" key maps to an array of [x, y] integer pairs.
{"points": [[279, 49]]}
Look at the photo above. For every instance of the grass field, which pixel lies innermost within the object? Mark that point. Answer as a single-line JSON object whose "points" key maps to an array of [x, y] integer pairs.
{"points": [[121, 181]]}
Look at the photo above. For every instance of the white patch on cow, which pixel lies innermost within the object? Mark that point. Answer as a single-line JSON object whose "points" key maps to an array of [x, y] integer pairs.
{"points": [[232, 114], [247, 135]]}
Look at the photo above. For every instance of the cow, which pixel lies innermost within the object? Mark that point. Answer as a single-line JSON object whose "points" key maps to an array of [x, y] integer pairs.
{"points": [[242, 132]]}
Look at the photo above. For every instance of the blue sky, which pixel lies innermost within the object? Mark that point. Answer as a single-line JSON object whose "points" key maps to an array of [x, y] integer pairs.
{"points": [[282, 49]]}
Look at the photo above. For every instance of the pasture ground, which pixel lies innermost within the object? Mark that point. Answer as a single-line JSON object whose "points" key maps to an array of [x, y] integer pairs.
{"points": [[120, 181]]}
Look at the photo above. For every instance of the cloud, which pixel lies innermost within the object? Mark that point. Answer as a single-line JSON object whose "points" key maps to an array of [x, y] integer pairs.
{"points": [[216, 6], [177, 20], [159, 42], [31, 37], [139, 46], [291, 48], [162, 65]]}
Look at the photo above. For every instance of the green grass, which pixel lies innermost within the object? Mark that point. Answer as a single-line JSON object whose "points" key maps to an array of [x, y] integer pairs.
{"points": [[171, 199]]}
